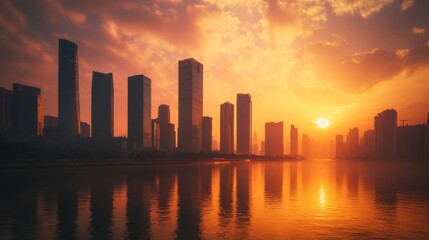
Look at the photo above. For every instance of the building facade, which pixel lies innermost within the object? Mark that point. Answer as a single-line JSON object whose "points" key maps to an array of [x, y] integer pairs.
{"points": [[274, 139], [139, 113], [102, 108], [68, 90], [227, 128], [190, 105], [353, 143], [385, 129], [244, 124], [293, 141], [207, 135], [5, 113]]}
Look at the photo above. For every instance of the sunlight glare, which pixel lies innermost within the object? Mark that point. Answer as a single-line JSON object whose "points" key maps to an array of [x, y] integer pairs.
{"points": [[322, 122]]}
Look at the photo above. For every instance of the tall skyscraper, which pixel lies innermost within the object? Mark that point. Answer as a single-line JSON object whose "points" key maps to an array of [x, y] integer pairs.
{"points": [[227, 128], [5, 113], [85, 130], [68, 90], [339, 146], [385, 127], [102, 116], [293, 141], [244, 124], [427, 135], [368, 144], [167, 134], [353, 143], [255, 147], [190, 105], [50, 128], [207, 135], [274, 139], [139, 113], [306, 146], [27, 109]]}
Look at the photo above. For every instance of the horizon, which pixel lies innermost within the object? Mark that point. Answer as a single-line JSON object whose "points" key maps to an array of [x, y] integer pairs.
{"points": [[323, 70]]}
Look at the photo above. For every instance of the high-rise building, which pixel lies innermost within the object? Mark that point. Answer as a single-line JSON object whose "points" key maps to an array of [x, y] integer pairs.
{"points": [[156, 135], [411, 141], [5, 113], [227, 128], [85, 130], [139, 113], [262, 152], [244, 124], [27, 110], [385, 127], [207, 135], [50, 128], [353, 143], [293, 141], [190, 105], [102, 106], [306, 146], [167, 134], [274, 139], [368, 147], [255, 147], [68, 90], [427, 135], [339, 146]]}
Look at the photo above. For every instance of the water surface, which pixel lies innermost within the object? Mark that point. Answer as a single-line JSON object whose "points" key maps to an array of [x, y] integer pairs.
{"points": [[314, 199]]}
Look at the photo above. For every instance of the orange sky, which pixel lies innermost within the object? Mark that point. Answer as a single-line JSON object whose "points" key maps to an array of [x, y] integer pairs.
{"points": [[341, 59]]}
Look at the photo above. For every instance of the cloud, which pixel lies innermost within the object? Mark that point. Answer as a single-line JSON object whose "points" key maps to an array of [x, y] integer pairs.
{"points": [[406, 4], [363, 8], [418, 30]]}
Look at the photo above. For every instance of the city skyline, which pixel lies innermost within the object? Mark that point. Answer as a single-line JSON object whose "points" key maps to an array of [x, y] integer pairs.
{"points": [[335, 83]]}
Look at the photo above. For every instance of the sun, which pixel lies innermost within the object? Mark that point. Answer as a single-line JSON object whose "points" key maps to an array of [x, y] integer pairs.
{"points": [[322, 122]]}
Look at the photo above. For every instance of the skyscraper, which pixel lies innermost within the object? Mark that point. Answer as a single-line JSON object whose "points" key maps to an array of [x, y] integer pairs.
{"points": [[102, 106], [207, 135], [227, 128], [255, 147], [385, 127], [68, 90], [274, 139], [85, 130], [368, 144], [5, 113], [306, 146], [190, 105], [27, 110], [339, 146], [139, 113], [244, 124], [427, 135], [167, 134], [293, 141], [353, 143]]}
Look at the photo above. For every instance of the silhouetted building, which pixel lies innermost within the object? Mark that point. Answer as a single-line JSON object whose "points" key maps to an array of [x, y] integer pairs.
{"points": [[5, 113], [411, 141], [244, 124], [385, 127], [139, 113], [274, 139], [427, 135], [227, 128], [167, 134], [214, 145], [207, 134], [262, 152], [190, 105], [50, 128], [306, 146], [339, 146], [293, 141], [68, 90], [27, 109], [353, 143], [156, 134], [255, 147], [85, 130], [368, 147], [102, 113]]}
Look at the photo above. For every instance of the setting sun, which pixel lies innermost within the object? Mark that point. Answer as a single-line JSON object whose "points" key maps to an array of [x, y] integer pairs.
{"points": [[322, 122]]}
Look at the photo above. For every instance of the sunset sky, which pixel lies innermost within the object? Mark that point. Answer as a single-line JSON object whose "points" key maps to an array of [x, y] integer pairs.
{"points": [[345, 60]]}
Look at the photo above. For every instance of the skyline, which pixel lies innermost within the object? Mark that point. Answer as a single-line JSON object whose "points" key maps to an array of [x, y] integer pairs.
{"points": [[271, 74]]}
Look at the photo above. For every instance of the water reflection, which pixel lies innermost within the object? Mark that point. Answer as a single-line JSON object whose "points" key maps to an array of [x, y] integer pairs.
{"points": [[306, 199]]}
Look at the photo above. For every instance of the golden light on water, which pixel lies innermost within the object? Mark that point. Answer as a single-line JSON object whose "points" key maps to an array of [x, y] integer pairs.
{"points": [[322, 122]]}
